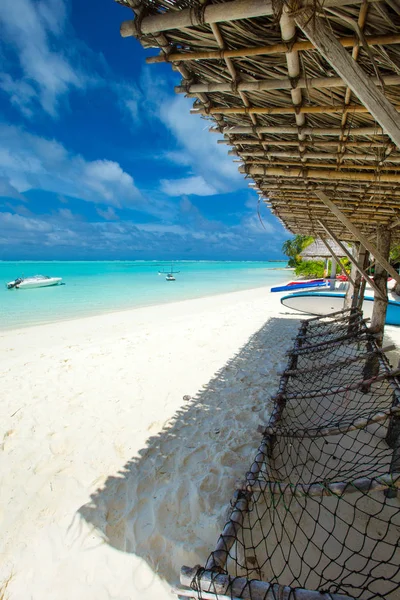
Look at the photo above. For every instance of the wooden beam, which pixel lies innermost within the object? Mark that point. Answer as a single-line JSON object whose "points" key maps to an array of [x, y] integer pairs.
{"points": [[358, 235], [279, 129], [283, 110], [304, 173], [213, 13], [274, 84], [281, 48], [346, 67], [351, 258], [288, 143], [315, 155]]}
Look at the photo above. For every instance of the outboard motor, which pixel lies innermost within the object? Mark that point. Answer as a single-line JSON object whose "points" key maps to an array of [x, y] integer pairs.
{"points": [[14, 283]]}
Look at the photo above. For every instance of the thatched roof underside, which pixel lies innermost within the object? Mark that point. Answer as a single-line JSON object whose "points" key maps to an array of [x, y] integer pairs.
{"points": [[297, 134], [317, 250]]}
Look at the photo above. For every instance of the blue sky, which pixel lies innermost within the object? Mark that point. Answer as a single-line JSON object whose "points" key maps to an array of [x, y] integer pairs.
{"points": [[100, 159]]}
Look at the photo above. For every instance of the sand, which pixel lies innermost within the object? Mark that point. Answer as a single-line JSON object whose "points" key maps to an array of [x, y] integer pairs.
{"points": [[122, 438]]}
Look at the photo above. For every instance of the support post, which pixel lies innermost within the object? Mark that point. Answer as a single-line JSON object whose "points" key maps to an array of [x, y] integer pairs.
{"points": [[333, 272], [355, 279], [349, 255], [380, 280], [379, 258], [355, 77]]}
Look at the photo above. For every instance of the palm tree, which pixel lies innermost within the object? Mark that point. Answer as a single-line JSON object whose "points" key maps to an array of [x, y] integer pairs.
{"points": [[294, 246]]}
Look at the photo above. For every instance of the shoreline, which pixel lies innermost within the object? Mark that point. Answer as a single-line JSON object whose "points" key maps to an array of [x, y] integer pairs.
{"points": [[131, 309]]}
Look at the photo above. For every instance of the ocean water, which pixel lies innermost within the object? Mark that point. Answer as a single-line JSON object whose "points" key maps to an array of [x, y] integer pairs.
{"points": [[96, 287]]}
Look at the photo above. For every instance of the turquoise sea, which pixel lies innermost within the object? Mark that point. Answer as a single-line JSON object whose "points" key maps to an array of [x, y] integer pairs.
{"points": [[96, 287]]}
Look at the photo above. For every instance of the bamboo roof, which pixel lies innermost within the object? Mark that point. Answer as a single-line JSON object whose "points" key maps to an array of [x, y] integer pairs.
{"points": [[286, 114], [317, 250]]}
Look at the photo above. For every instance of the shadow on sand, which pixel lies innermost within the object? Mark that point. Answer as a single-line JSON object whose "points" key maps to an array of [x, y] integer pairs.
{"points": [[169, 504]]}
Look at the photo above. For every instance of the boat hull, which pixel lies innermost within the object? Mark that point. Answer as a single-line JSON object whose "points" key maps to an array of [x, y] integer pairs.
{"points": [[299, 286], [323, 303], [25, 285]]}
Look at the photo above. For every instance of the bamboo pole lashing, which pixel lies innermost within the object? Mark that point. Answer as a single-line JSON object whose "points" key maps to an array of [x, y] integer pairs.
{"points": [[300, 173], [280, 129], [311, 143], [283, 110], [276, 84], [316, 155], [325, 165], [281, 48]]}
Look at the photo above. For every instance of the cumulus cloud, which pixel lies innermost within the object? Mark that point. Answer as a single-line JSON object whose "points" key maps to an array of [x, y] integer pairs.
{"points": [[195, 185], [28, 161], [210, 170]]}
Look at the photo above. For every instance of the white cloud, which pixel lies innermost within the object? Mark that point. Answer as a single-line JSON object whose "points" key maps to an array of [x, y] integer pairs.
{"points": [[198, 148], [190, 186], [109, 214], [28, 161], [30, 29]]}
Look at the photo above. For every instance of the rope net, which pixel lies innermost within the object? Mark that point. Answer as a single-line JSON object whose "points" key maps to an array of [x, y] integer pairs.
{"points": [[318, 514]]}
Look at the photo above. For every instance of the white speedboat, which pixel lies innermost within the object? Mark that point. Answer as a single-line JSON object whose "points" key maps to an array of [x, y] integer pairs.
{"points": [[170, 277], [37, 281]]}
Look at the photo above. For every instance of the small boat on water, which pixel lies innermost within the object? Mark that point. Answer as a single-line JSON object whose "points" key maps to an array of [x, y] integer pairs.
{"points": [[322, 303], [37, 281], [169, 274]]}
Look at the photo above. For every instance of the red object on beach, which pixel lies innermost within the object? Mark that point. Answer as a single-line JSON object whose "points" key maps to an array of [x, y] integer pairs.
{"points": [[302, 281], [342, 277]]}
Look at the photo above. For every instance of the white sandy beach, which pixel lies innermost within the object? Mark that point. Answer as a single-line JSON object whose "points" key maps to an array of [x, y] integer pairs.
{"points": [[111, 478]]}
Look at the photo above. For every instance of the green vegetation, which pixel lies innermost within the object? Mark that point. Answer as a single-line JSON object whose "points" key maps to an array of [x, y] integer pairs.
{"points": [[293, 247], [310, 268]]}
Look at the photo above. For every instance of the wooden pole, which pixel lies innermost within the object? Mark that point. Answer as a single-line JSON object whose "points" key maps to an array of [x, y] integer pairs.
{"points": [[287, 143], [213, 13], [355, 276], [315, 156], [282, 110], [300, 173], [279, 129], [346, 67], [362, 253], [129, 28], [351, 258], [275, 84], [380, 258], [380, 278], [240, 587]]}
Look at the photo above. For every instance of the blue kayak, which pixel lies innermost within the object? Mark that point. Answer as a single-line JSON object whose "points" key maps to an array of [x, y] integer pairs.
{"points": [[300, 286]]}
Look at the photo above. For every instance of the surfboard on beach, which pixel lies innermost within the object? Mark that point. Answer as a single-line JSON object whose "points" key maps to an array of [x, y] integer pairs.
{"points": [[323, 303]]}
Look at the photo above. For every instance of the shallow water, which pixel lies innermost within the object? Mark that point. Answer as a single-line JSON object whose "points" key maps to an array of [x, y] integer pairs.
{"points": [[96, 287]]}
